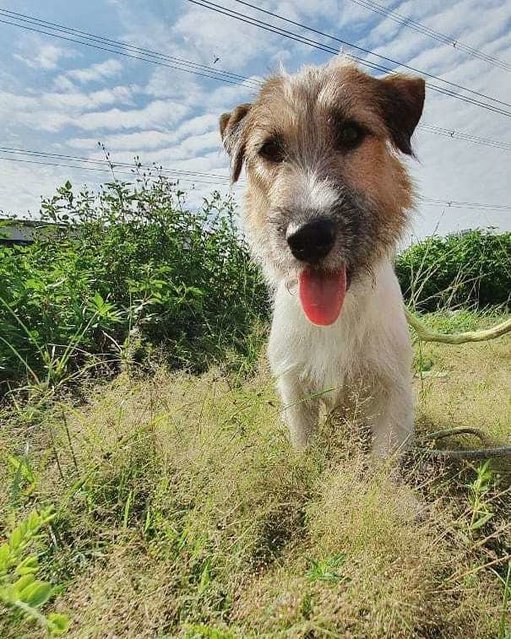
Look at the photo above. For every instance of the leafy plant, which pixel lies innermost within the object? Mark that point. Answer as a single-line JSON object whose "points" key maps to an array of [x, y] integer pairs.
{"points": [[20, 590], [472, 268], [505, 626], [327, 569], [201, 631], [481, 512], [131, 259], [23, 478], [132, 273]]}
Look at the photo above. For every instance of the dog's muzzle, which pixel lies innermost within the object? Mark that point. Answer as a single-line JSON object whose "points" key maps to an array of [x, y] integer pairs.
{"points": [[312, 241]]}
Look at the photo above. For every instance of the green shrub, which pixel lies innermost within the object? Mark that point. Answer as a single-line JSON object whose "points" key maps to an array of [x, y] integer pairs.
{"points": [[131, 260], [472, 268]]}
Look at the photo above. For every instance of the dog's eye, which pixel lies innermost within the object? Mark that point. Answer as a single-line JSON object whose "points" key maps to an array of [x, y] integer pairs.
{"points": [[272, 150], [350, 135]]}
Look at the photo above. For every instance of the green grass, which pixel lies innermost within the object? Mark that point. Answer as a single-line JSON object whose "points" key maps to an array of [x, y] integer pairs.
{"points": [[181, 512]]}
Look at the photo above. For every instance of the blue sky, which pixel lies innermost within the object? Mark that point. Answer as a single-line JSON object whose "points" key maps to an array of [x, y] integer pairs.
{"points": [[62, 97]]}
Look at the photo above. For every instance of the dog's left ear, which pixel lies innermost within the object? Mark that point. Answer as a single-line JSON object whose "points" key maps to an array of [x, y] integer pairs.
{"points": [[231, 130], [402, 101]]}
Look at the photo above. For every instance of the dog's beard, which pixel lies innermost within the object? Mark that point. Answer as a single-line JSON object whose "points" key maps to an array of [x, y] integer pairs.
{"points": [[362, 241]]}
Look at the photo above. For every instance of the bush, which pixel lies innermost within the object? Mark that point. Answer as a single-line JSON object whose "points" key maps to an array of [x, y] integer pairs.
{"points": [[131, 260], [472, 268]]}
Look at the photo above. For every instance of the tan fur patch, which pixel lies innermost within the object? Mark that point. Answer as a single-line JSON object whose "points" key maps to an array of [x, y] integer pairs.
{"points": [[375, 170]]}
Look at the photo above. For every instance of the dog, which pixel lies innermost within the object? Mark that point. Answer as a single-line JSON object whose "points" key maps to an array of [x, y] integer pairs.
{"points": [[327, 201]]}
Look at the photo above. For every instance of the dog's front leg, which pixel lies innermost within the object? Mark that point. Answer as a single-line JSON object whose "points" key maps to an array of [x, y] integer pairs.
{"points": [[392, 420], [300, 410]]}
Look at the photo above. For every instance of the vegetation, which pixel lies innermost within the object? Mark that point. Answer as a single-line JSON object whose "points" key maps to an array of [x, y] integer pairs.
{"points": [[469, 269], [181, 511], [130, 264], [19, 588], [165, 502]]}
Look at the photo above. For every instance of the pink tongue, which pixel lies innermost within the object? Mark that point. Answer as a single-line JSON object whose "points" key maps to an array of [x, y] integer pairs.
{"points": [[322, 295]]}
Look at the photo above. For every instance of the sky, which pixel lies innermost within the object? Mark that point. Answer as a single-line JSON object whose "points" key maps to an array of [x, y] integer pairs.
{"points": [[63, 97]]}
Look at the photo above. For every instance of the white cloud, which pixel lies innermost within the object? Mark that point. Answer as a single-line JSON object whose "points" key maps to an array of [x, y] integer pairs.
{"points": [[46, 57], [188, 148], [167, 83], [56, 111], [63, 83], [192, 150], [212, 35], [159, 113], [29, 182], [96, 72], [198, 34], [150, 139]]}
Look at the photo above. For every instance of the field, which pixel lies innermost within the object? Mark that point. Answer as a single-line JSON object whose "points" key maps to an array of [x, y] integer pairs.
{"points": [[182, 512], [149, 490]]}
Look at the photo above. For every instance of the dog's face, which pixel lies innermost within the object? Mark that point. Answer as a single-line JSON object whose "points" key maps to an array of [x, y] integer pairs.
{"points": [[326, 190]]}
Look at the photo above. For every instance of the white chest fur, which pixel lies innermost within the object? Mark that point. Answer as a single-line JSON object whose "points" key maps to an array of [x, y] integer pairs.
{"points": [[369, 336]]}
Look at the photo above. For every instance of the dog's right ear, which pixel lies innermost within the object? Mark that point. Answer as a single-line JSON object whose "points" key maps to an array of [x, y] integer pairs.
{"points": [[232, 126], [402, 101]]}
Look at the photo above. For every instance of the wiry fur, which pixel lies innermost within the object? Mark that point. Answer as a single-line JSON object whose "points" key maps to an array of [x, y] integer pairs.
{"points": [[366, 193]]}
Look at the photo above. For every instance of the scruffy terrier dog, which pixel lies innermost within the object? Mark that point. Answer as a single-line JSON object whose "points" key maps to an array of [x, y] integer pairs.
{"points": [[326, 204]]}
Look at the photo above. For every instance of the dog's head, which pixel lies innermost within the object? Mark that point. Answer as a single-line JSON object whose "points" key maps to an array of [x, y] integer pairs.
{"points": [[327, 195]]}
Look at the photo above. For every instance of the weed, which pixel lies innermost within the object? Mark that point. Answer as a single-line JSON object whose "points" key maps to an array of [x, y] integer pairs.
{"points": [[20, 590], [505, 625], [183, 510], [327, 569], [470, 269], [481, 511], [131, 260]]}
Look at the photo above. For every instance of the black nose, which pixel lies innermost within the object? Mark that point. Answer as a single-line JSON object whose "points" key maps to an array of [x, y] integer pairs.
{"points": [[312, 241]]}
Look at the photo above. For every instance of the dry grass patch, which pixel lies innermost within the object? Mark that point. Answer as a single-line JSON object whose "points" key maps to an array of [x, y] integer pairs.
{"points": [[466, 385], [182, 512]]}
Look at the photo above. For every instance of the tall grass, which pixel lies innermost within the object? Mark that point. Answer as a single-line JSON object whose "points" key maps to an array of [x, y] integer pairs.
{"points": [[469, 270], [182, 512]]}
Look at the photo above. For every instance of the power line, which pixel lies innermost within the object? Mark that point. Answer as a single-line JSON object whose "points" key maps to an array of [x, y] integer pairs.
{"points": [[126, 55], [107, 166], [457, 204], [180, 64], [323, 47], [139, 53], [128, 51], [68, 166], [118, 44], [367, 51], [183, 173], [112, 163], [436, 35], [467, 137]]}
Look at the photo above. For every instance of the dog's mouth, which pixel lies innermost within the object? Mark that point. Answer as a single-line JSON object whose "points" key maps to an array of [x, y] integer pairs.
{"points": [[322, 294]]}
